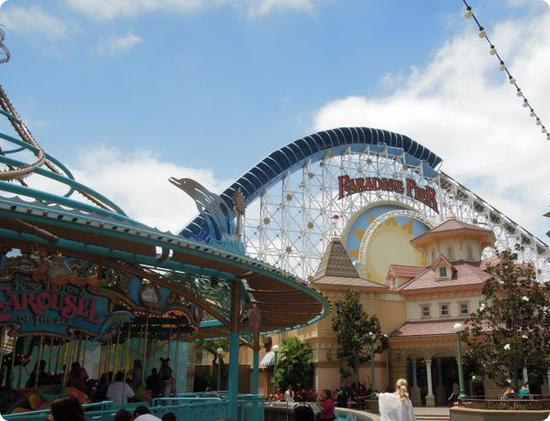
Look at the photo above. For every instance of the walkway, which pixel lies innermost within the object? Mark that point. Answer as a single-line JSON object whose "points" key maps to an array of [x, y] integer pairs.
{"points": [[432, 414]]}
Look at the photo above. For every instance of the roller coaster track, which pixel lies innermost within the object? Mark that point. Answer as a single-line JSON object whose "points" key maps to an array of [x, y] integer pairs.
{"points": [[18, 174], [11, 173]]}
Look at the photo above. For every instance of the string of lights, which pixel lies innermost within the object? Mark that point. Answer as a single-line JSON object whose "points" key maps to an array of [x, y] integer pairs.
{"points": [[469, 14]]}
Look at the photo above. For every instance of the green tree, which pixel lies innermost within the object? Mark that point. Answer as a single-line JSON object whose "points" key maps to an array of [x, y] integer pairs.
{"points": [[510, 330], [294, 364], [358, 333]]}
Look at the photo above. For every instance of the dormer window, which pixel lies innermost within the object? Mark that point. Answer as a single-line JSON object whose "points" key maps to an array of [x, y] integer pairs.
{"points": [[443, 272]]}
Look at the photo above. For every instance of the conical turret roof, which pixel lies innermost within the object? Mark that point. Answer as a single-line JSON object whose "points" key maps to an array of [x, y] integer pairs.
{"points": [[336, 262]]}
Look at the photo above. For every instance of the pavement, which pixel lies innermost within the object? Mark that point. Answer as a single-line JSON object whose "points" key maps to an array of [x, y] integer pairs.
{"points": [[432, 414]]}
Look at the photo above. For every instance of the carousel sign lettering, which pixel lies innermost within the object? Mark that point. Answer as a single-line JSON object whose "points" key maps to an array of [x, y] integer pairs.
{"points": [[348, 186], [45, 306]]}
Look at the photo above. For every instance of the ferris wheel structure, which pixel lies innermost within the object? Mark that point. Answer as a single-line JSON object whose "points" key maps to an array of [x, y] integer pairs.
{"points": [[311, 190]]}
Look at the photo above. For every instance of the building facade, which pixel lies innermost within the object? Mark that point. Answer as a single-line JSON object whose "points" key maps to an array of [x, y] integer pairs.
{"points": [[417, 306]]}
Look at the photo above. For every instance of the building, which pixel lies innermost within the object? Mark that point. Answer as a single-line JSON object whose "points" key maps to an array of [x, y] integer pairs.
{"points": [[417, 306]]}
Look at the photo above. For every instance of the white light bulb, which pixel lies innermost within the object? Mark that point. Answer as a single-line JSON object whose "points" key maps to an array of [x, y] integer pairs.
{"points": [[538, 122], [532, 113], [492, 50], [502, 66], [543, 131], [468, 13], [525, 103], [548, 137], [512, 80], [482, 33], [519, 93]]}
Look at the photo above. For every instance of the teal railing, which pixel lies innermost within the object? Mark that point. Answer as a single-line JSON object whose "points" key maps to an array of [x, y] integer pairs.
{"points": [[192, 406]]}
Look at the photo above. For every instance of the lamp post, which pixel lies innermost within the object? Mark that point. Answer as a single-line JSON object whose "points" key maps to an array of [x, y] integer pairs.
{"points": [[275, 349], [459, 328], [220, 352], [372, 373]]}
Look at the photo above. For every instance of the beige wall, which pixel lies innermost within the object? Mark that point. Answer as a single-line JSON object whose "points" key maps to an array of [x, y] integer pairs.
{"points": [[414, 305], [455, 249]]}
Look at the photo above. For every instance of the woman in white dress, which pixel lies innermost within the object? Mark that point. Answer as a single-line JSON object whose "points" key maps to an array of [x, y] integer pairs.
{"points": [[396, 406]]}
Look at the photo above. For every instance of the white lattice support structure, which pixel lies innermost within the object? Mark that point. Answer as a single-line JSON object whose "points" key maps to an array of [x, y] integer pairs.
{"points": [[300, 214]]}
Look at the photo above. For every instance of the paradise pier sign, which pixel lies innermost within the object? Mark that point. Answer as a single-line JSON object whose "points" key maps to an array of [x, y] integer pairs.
{"points": [[348, 186]]}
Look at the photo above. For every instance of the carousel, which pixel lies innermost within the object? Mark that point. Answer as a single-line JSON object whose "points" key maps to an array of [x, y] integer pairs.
{"points": [[84, 288]]}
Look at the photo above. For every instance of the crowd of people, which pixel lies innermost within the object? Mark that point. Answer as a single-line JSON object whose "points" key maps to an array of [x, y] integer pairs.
{"points": [[344, 396], [120, 387], [69, 408], [394, 405]]}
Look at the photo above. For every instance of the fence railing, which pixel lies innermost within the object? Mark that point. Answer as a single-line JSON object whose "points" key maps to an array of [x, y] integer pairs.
{"points": [[199, 407], [532, 402]]}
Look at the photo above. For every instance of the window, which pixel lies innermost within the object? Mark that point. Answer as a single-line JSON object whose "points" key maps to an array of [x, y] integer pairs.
{"points": [[443, 272], [444, 310], [464, 309], [450, 252], [425, 311], [470, 251]]}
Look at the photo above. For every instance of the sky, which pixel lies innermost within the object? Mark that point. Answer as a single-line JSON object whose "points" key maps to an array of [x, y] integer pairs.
{"points": [[130, 92]]}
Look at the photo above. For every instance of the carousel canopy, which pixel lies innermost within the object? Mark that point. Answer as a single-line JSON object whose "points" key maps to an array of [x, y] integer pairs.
{"points": [[83, 224]]}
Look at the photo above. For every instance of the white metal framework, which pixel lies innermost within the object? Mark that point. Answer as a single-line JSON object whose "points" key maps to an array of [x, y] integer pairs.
{"points": [[292, 222]]}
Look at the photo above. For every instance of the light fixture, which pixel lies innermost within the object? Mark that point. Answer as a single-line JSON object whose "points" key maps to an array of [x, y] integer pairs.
{"points": [[220, 351], [458, 327], [482, 33], [538, 122], [532, 113], [512, 79], [492, 50], [519, 93], [525, 103], [468, 13], [548, 137], [502, 66], [275, 348]]}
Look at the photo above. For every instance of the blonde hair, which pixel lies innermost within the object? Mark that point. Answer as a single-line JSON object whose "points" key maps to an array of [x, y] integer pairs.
{"points": [[401, 386]]}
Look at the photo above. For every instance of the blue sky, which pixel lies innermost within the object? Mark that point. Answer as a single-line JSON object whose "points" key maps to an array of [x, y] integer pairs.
{"points": [[217, 85]]}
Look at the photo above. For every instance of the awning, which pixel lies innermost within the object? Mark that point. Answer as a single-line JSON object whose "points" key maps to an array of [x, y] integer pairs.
{"points": [[268, 360]]}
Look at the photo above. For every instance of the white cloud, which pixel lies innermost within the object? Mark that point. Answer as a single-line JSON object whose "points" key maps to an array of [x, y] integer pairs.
{"points": [[464, 109], [264, 7], [117, 44], [34, 20], [138, 182], [112, 9]]}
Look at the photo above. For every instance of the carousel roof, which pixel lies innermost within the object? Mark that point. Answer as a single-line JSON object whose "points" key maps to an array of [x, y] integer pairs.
{"points": [[83, 223]]}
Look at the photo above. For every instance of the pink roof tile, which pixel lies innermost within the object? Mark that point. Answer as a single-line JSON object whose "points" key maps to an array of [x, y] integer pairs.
{"points": [[454, 224], [464, 274], [423, 328], [451, 225], [406, 271]]}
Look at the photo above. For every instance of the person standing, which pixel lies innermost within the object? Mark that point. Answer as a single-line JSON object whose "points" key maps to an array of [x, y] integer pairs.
{"points": [[137, 375], [119, 391], [289, 394], [166, 377], [524, 391], [327, 406], [396, 406]]}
